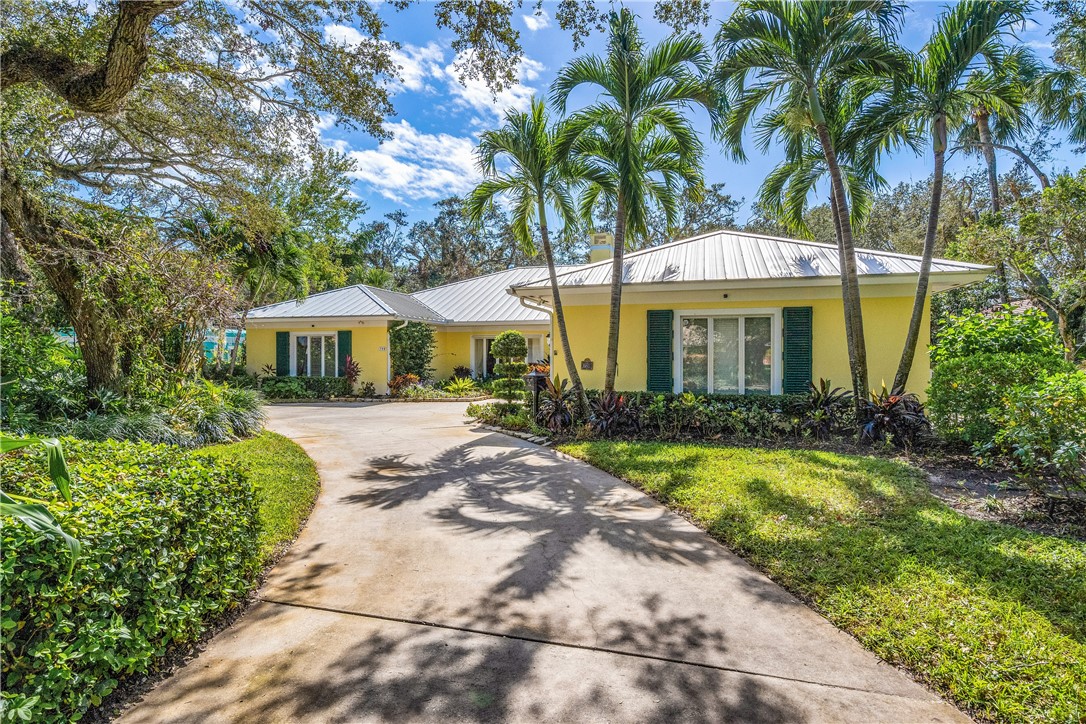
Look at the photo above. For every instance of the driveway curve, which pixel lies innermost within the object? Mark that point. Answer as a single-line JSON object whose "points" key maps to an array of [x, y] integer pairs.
{"points": [[449, 573]]}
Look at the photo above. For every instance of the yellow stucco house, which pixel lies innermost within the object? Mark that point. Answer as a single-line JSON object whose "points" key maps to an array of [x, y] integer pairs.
{"points": [[727, 311]]}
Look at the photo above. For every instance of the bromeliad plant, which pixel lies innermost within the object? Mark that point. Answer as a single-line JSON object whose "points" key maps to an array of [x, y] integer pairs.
{"points": [[895, 418], [33, 512], [614, 414], [556, 405], [826, 410]]}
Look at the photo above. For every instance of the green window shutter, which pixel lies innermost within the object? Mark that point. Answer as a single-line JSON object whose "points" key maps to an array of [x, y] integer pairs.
{"points": [[797, 350], [660, 374], [343, 345], [282, 354]]}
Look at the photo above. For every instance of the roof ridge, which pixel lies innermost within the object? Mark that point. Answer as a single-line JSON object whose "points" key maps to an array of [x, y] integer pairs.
{"points": [[481, 276], [377, 300]]}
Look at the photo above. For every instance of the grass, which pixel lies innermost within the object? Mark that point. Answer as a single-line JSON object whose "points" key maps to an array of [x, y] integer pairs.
{"points": [[991, 616], [286, 485]]}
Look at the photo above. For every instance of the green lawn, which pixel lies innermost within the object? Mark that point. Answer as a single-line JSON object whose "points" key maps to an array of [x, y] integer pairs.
{"points": [[991, 616], [286, 484]]}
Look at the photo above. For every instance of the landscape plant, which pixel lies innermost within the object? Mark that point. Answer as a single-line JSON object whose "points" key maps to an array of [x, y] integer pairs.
{"points": [[411, 350], [169, 541], [510, 349]]}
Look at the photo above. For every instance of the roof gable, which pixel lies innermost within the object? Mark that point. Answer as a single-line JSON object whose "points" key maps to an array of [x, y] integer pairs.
{"points": [[357, 300]]}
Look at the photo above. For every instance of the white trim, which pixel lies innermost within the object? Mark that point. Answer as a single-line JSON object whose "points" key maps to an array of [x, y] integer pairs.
{"points": [[776, 382], [315, 333]]}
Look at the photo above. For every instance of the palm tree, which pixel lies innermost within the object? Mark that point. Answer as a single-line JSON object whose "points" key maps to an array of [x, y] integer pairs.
{"points": [[535, 180], [796, 56], [941, 93], [634, 144]]}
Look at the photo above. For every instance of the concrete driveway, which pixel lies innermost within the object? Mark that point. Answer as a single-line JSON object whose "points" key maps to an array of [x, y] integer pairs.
{"points": [[450, 573]]}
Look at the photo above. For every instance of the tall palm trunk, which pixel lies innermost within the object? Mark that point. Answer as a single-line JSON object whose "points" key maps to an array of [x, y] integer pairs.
{"points": [[913, 335], [245, 316], [984, 132], [616, 296], [559, 313], [850, 285]]}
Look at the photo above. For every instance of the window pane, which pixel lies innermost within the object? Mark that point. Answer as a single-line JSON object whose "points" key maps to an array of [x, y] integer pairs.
{"points": [[315, 356], [301, 355], [479, 357], [758, 355], [329, 356], [695, 354], [726, 355]]}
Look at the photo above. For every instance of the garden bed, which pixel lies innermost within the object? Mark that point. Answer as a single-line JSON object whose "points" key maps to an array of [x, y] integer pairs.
{"points": [[989, 615]]}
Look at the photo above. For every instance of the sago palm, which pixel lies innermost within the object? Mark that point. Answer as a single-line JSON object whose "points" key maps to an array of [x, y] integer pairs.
{"points": [[640, 110], [532, 179], [789, 57], [956, 72]]}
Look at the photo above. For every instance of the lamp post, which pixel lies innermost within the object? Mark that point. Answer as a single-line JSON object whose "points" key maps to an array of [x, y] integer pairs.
{"points": [[534, 382]]}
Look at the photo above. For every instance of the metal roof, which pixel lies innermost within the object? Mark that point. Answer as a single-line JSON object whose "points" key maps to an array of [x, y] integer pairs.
{"points": [[354, 301], [735, 256], [486, 299]]}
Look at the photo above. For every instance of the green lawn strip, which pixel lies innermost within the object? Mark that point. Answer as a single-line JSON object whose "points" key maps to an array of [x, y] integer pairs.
{"points": [[991, 616], [286, 484]]}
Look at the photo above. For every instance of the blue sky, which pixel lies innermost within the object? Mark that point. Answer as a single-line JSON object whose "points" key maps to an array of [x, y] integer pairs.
{"points": [[438, 119]]}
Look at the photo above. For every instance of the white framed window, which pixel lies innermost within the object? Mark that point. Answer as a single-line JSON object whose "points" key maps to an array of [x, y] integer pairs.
{"points": [[734, 352], [313, 354], [482, 362]]}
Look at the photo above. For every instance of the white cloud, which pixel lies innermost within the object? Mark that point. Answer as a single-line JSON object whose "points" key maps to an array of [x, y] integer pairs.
{"points": [[537, 21], [474, 93], [416, 64], [416, 165]]}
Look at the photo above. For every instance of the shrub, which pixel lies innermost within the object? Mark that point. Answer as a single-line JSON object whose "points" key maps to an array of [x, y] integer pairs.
{"points": [[367, 389], [169, 542], [556, 405], [460, 386], [520, 419], [897, 419], [965, 392], [351, 372], [285, 388], [399, 383], [1043, 427], [827, 411], [487, 413], [510, 349], [462, 372], [611, 413], [302, 388], [974, 333], [673, 416], [411, 349]]}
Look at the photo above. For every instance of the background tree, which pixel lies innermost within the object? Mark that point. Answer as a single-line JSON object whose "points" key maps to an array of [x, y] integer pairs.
{"points": [[634, 145], [793, 56], [1043, 239], [535, 179], [700, 211]]}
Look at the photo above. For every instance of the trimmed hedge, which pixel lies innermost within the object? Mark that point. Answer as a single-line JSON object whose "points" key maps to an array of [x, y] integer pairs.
{"points": [[170, 541], [966, 392], [302, 387]]}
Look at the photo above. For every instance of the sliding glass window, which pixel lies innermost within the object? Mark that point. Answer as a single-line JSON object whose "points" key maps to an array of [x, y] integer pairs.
{"points": [[727, 355]]}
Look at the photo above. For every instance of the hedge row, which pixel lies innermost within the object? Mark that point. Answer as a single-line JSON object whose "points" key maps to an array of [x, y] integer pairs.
{"points": [[169, 542]]}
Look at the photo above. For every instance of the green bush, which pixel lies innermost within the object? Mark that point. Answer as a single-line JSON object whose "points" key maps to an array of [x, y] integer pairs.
{"points": [[1042, 426], [974, 333], [965, 392], [411, 350], [510, 349], [303, 388], [169, 542]]}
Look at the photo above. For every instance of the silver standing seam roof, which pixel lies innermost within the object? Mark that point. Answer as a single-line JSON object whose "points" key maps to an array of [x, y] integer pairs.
{"points": [[712, 257], [358, 300], [739, 256], [485, 299]]}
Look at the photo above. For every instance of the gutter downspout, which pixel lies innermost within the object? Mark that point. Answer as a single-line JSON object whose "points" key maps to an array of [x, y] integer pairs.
{"points": [[539, 307], [388, 351]]}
